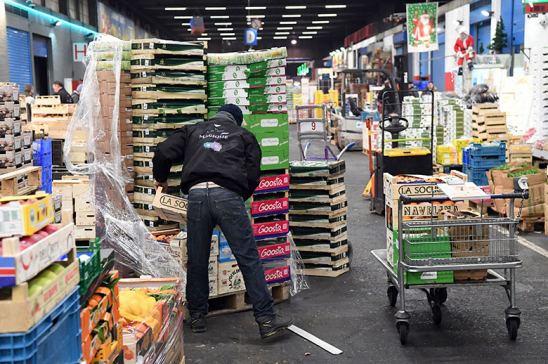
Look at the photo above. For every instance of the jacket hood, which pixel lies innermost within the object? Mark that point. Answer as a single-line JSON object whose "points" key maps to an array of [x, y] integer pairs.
{"points": [[224, 116]]}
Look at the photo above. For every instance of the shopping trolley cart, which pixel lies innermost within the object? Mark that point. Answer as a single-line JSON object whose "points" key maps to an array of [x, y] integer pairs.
{"points": [[314, 130], [440, 248]]}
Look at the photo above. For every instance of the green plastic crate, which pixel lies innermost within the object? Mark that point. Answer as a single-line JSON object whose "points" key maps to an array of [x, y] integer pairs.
{"points": [[91, 269]]}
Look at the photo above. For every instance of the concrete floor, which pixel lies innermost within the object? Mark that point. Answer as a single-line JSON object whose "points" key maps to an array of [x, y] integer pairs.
{"points": [[352, 312]]}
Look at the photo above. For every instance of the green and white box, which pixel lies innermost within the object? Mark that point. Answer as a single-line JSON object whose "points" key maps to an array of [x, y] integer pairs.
{"points": [[228, 85], [266, 81], [273, 142], [268, 99], [275, 159], [266, 123], [268, 108], [227, 69], [227, 76], [267, 90]]}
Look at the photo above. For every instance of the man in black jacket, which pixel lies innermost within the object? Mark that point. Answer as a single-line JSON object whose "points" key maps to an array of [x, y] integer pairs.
{"points": [[58, 89], [221, 170]]}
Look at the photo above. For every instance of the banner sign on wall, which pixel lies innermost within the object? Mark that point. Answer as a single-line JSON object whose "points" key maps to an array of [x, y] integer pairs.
{"points": [[422, 25]]}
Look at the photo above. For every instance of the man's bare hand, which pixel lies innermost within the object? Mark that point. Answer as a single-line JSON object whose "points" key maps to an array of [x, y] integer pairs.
{"points": [[161, 184]]}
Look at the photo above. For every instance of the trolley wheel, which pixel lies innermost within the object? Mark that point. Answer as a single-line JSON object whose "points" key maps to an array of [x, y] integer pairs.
{"points": [[350, 253], [441, 294], [436, 314], [512, 324], [392, 293], [403, 330]]}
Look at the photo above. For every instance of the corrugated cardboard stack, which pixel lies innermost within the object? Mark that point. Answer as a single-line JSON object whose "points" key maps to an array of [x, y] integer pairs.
{"points": [[15, 144], [168, 89], [318, 216]]}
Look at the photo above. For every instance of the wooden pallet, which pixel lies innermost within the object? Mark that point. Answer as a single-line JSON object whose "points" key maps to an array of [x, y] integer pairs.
{"points": [[317, 221], [142, 78], [324, 272], [330, 236], [160, 95], [317, 169], [21, 182], [336, 195], [531, 224], [328, 211], [236, 301]]}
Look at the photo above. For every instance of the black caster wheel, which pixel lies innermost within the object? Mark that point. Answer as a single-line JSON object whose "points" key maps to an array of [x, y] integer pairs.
{"points": [[441, 294], [436, 314], [512, 324], [403, 330], [392, 293]]}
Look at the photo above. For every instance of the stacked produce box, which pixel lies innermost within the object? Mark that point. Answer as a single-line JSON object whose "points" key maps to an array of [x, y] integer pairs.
{"points": [[78, 206], [450, 120], [478, 159], [168, 92], [318, 216], [256, 82], [15, 144], [39, 299], [416, 186], [419, 113], [101, 323]]}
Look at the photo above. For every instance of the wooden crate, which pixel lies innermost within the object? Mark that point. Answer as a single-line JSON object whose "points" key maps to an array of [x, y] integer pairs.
{"points": [[21, 182], [47, 100]]}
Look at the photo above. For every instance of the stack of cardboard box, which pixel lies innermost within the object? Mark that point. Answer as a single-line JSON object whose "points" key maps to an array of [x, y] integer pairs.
{"points": [[15, 144], [168, 90], [77, 205]]}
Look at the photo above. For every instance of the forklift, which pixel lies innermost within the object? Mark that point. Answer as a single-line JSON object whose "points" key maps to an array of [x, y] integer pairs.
{"points": [[399, 154]]}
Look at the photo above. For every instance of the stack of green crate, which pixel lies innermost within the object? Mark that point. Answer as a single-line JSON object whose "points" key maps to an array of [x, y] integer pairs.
{"points": [[168, 92], [256, 82]]}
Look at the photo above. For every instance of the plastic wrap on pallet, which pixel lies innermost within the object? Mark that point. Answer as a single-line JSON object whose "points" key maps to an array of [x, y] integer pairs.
{"points": [[296, 267], [120, 226]]}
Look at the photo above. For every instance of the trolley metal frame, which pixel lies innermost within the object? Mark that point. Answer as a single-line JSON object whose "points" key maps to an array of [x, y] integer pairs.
{"points": [[500, 260], [315, 129]]}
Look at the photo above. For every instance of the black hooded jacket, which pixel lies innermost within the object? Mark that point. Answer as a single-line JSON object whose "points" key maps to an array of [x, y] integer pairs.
{"points": [[216, 151]]}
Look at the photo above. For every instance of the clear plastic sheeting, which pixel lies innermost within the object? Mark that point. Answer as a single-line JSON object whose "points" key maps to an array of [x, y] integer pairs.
{"points": [[296, 268], [97, 118]]}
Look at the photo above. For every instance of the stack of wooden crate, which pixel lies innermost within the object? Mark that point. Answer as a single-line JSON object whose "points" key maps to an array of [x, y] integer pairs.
{"points": [[520, 154], [77, 205], [488, 123], [317, 216], [51, 116]]}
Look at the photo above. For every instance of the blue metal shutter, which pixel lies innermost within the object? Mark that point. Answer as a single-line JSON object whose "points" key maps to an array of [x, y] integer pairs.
{"points": [[19, 57]]}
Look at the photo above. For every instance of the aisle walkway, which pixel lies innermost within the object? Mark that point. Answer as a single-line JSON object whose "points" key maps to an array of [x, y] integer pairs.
{"points": [[352, 312]]}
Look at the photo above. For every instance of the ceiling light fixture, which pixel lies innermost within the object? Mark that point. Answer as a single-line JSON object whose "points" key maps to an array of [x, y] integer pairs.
{"points": [[206, 38], [175, 9], [294, 41], [335, 6], [227, 34], [259, 38], [229, 38], [288, 22], [331, 15], [279, 37], [312, 28], [291, 15], [320, 21], [281, 33], [225, 29], [314, 32], [305, 37], [294, 7], [183, 17], [223, 24], [215, 8], [255, 7], [285, 28], [219, 17], [255, 16]]}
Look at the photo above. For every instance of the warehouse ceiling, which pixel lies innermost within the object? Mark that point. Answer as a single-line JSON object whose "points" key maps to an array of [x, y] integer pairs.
{"points": [[307, 21]]}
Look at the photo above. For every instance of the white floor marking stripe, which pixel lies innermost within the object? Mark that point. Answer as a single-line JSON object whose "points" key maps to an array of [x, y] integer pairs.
{"points": [[315, 340], [532, 246]]}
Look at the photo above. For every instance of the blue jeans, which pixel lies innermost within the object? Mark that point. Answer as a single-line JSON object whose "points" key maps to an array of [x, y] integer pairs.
{"points": [[208, 207]]}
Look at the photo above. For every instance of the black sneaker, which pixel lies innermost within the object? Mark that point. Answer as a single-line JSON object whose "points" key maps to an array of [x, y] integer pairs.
{"points": [[273, 327], [198, 324]]}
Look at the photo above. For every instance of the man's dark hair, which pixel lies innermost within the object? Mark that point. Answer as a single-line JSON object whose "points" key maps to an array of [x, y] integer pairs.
{"points": [[58, 83]]}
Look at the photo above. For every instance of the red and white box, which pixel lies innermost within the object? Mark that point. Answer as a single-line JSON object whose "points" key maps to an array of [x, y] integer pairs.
{"points": [[270, 207], [277, 250], [268, 230], [277, 274], [268, 184]]}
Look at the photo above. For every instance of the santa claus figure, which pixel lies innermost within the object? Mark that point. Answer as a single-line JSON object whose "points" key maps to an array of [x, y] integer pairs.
{"points": [[424, 26], [464, 49]]}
